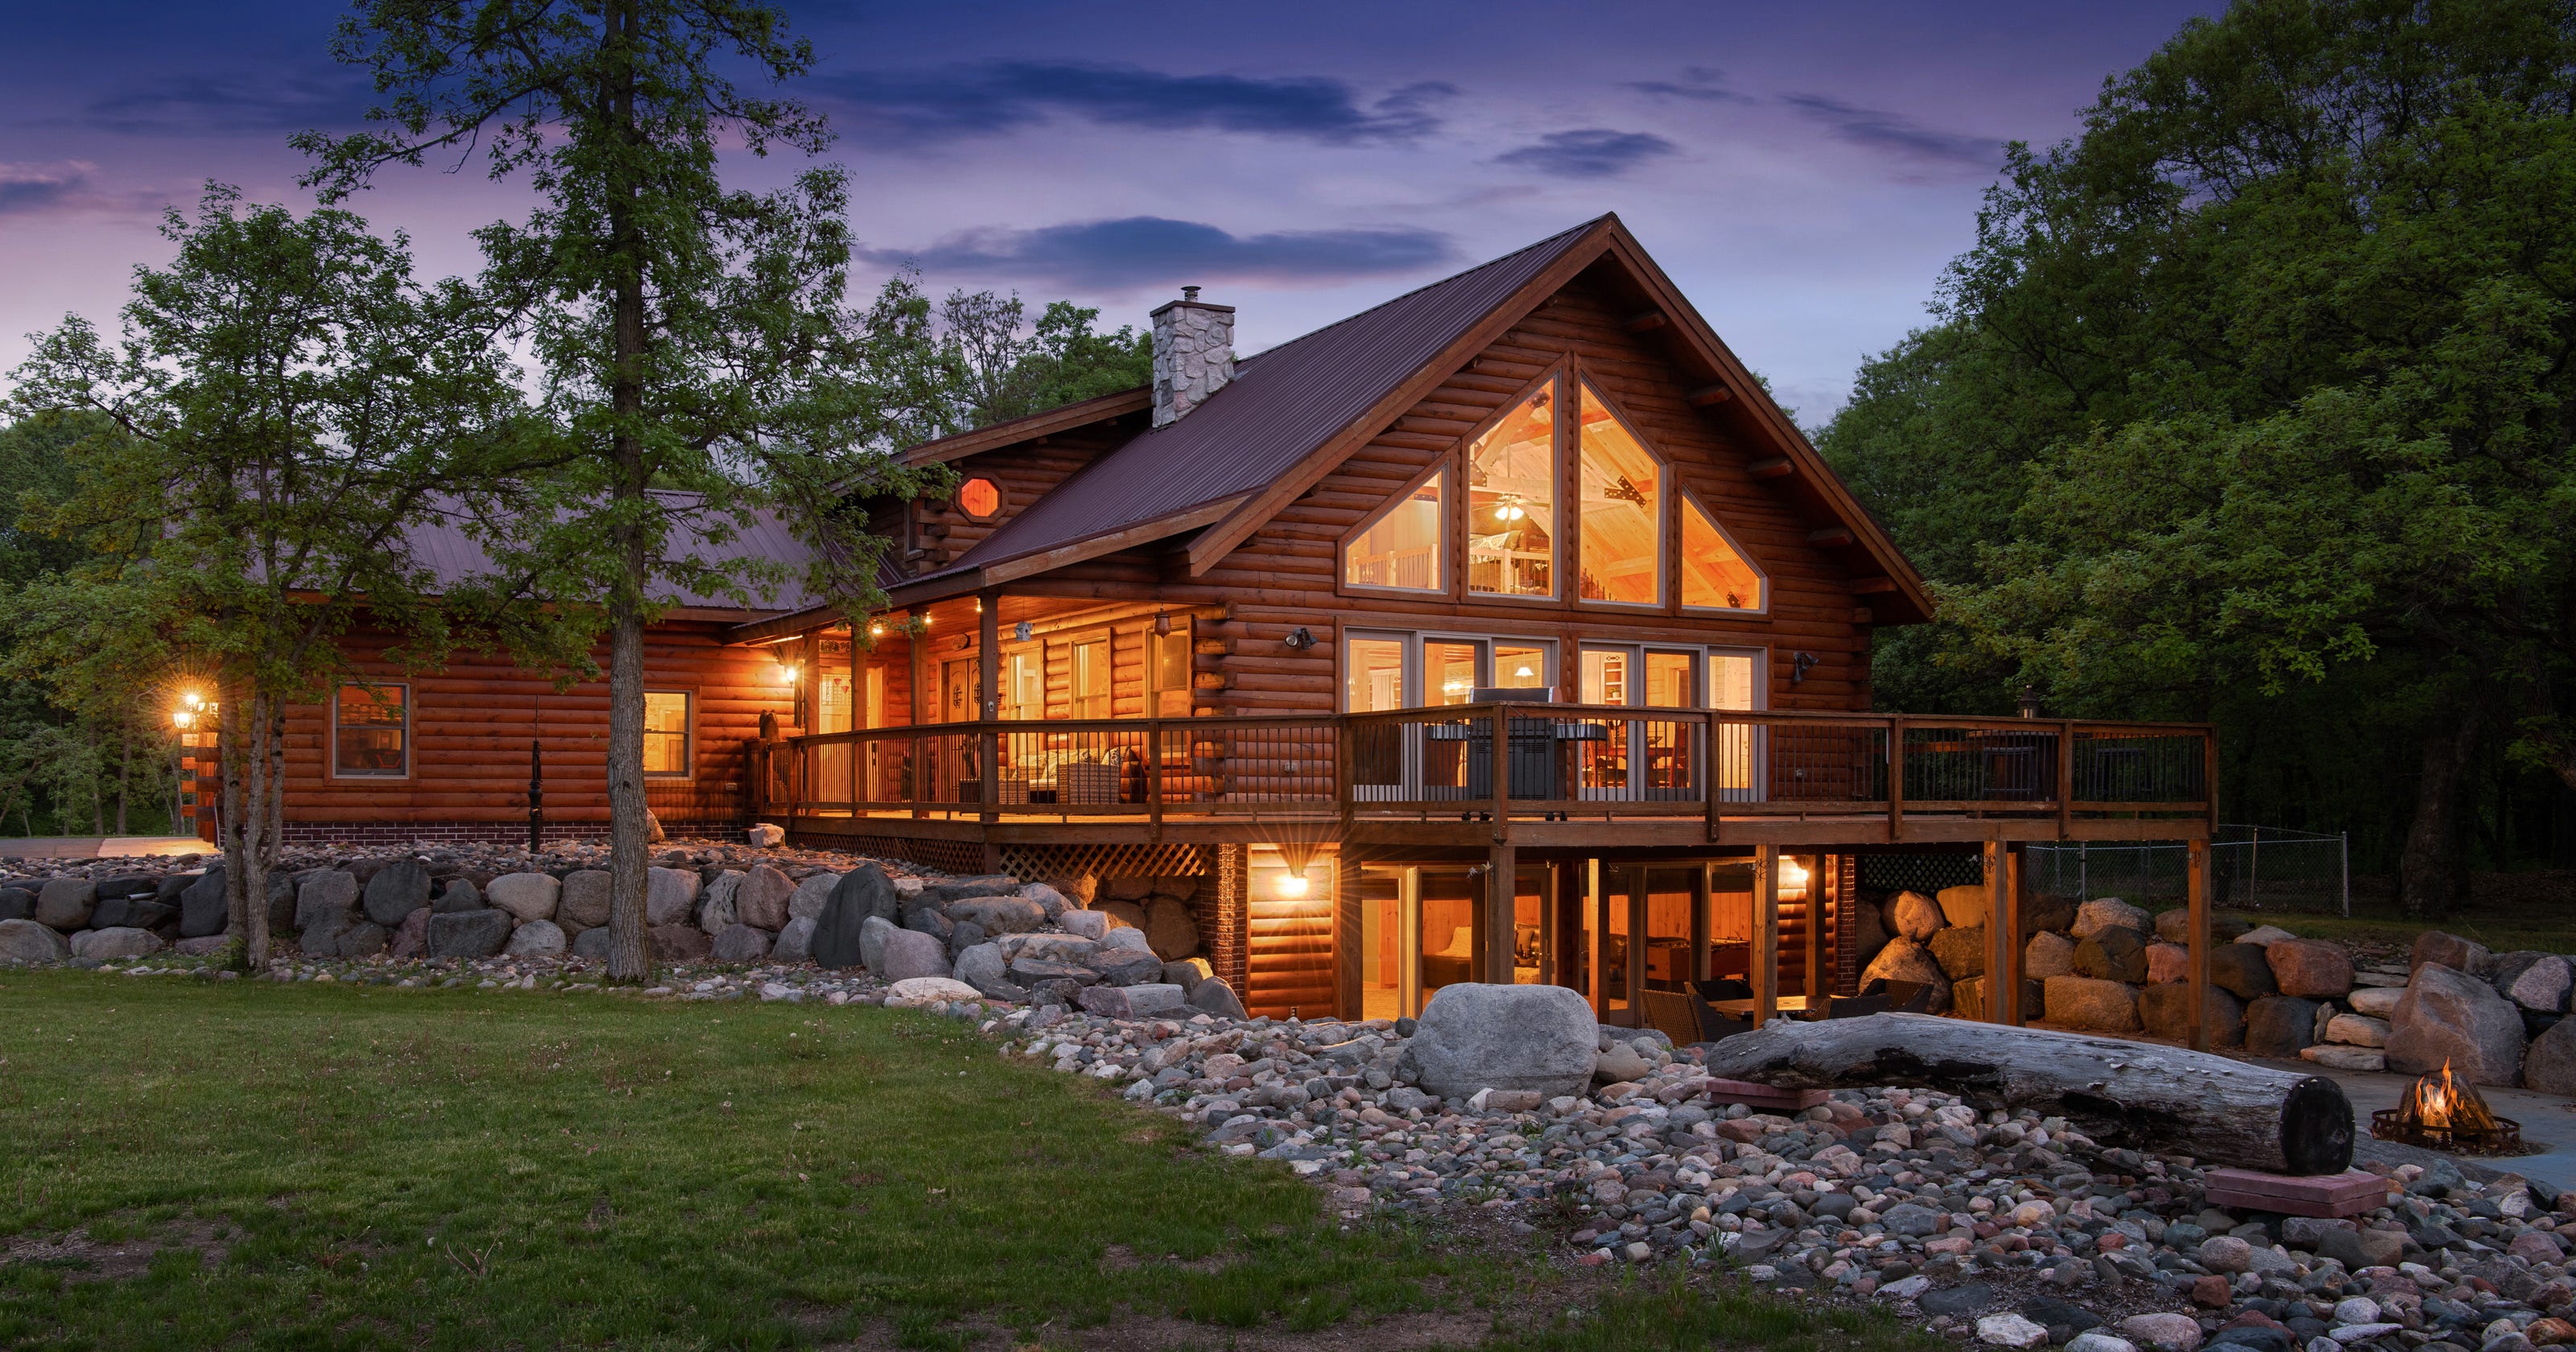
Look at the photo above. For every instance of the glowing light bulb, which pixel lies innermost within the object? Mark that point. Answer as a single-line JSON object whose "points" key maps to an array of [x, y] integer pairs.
{"points": [[183, 719], [1293, 885], [1792, 873]]}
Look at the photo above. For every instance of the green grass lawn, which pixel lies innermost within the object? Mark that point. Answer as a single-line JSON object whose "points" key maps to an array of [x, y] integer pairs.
{"points": [[339, 1166]]}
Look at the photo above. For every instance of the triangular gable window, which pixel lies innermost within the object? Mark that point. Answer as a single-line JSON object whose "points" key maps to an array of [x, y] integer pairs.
{"points": [[1402, 548], [1715, 574], [1623, 510], [1511, 501]]}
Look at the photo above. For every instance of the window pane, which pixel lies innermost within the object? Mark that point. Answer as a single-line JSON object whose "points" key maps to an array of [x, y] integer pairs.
{"points": [[666, 729], [371, 706], [371, 737], [666, 711], [1376, 674], [1623, 542], [1511, 502], [1730, 680], [1449, 670], [1091, 679], [1024, 683], [1520, 667], [833, 706], [1402, 549], [1605, 676], [1714, 576], [1172, 670], [666, 753], [1668, 681], [979, 497]]}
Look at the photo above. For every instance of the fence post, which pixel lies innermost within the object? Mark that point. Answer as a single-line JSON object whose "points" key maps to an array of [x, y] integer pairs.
{"points": [[2343, 870], [2254, 867]]}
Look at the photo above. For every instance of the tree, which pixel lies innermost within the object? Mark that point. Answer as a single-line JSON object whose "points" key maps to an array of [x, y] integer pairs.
{"points": [[697, 355], [2255, 392], [284, 403]]}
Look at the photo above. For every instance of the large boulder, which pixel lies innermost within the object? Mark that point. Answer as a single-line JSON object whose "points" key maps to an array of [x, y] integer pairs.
{"points": [[2092, 1004], [2281, 1026], [741, 943], [716, 912], [591, 944], [997, 915], [2548, 1065], [873, 932], [811, 895], [1961, 951], [1123, 914], [1968, 999], [911, 953], [795, 940], [2102, 912], [145, 913], [1475, 1036], [324, 929], [411, 937], [1914, 916], [536, 939], [1213, 997], [2450, 950], [528, 896], [2535, 981], [2046, 913], [1872, 923], [863, 894], [760, 901], [24, 940], [2244, 970], [1051, 900], [121, 941], [984, 968], [1123, 966], [2166, 1010], [2113, 953], [2310, 968], [325, 887], [2356, 1030], [2049, 954], [65, 903], [202, 910], [17, 903], [396, 890], [2168, 962], [468, 934], [1964, 905], [1142, 1001], [921, 990], [583, 904], [981, 885], [1170, 929], [678, 943], [2450, 1016], [669, 893], [461, 895], [1906, 960]]}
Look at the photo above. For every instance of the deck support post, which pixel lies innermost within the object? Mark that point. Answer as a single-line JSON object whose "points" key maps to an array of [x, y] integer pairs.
{"points": [[1501, 891], [2196, 867], [1766, 933], [988, 700], [2016, 902], [1817, 974], [1596, 964], [1998, 863]]}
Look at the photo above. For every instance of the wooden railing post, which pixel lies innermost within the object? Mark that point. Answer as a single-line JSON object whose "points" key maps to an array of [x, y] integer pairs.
{"points": [[1502, 771], [1708, 790], [2065, 776], [988, 742], [1766, 935], [1895, 779], [1154, 776]]}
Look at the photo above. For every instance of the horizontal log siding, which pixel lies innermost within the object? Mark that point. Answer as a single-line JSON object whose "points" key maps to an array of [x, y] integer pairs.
{"points": [[1025, 473], [1289, 957], [472, 720]]}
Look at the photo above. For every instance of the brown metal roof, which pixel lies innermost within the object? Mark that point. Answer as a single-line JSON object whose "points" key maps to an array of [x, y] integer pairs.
{"points": [[439, 542], [1281, 405]]}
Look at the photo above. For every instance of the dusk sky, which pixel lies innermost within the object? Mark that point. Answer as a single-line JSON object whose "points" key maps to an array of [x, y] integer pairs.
{"points": [[1804, 171]]}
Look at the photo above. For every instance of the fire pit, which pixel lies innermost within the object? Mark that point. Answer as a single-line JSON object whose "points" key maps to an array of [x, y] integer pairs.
{"points": [[2440, 1112]]}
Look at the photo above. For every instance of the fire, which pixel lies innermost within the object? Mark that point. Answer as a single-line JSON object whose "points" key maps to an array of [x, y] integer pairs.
{"points": [[2441, 1103]]}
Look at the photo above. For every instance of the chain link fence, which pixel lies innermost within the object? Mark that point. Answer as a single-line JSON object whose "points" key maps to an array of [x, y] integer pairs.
{"points": [[2256, 868]]}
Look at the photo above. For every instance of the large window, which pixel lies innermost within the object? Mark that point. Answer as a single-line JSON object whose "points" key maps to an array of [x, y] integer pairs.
{"points": [[371, 731], [1091, 678], [1024, 682], [1172, 670], [1715, 574], [666, 731], [1623, 516], [1511, 501], [1408, 670], [1373, 674], [1402, 547]]}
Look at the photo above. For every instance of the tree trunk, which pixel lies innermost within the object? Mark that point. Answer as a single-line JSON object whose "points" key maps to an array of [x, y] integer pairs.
{"points": [[2156, 1098], [257, 827], [234, 734], [2432, 868], [124, 772], [628, 958]]}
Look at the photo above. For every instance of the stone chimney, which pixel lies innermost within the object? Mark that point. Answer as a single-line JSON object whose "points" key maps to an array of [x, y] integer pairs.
{"points": [[1193, 354]]}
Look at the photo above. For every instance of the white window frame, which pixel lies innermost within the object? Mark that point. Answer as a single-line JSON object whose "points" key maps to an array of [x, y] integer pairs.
{"points": [[688, 736], [407, 721]]}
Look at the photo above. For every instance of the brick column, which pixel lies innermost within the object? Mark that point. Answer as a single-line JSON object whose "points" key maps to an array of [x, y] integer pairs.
{"points": [[1224, 916]]}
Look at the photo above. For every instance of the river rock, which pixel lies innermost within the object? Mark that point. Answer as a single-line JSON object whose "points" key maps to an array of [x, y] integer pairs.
{"points": [[1964, 905], [716, 912], [2048, 954], [795, 941], [2108, 911], [468, 934], [863, 894], [120, 941], [65, 903], [583, 903], [668, 895], [2310, 968], [1092, 925], [2243, 969], [536, 939], [25, 940], [1051, 900], [1474, 1035], [1122, 966], [741, 943], [2280, 1025], [760, 900], [2164, 1009], [2113, 953], [396, 890], [2536, 981], [911, 953], [529, 896], [1914, 916], [2452, 951], [812, 895], [2093, 1004], [2448, 1015], [1961, 951]]}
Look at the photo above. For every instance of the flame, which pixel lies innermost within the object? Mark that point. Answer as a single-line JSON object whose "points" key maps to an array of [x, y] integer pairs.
{"points": [[2442, 1103]]}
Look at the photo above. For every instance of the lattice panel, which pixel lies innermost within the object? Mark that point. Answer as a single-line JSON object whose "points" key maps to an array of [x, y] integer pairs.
{"points": [[947, 856], [1035, 863], [1925, 873]]}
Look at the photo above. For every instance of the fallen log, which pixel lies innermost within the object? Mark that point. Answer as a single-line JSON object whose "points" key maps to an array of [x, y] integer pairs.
{"points": [[2138, 1094]]}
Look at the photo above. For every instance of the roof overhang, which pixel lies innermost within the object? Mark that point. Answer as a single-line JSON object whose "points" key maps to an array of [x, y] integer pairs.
{"points": [[1100, 408]]}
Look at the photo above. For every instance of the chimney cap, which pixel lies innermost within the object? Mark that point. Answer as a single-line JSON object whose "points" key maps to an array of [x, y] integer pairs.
{"points": [[1189, 293]]}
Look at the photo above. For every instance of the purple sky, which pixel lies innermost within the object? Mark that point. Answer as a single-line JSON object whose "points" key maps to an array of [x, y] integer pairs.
{"points": [[1804, 171]]}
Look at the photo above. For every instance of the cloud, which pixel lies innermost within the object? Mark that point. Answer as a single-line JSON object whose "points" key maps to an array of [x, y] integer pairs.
{"points": [[1897, 134], [62, 188], [921, 107], [1699, 84], [1154, 250], [1592, 152], [198, 106]]}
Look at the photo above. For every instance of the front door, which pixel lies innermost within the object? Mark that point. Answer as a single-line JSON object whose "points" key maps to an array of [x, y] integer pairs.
{"points": [[960, 695]]}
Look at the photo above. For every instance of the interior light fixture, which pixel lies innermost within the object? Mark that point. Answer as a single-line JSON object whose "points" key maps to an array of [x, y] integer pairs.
{"points": [[1162, 623], [1524, 673]]}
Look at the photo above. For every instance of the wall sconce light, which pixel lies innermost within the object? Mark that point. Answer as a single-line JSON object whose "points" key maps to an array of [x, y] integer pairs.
{"points": [[1299, 639], [787, 672], [1022, 631], [2030, 701], [1793, 876], [1799, 666], [876, 629], [965, 641]]}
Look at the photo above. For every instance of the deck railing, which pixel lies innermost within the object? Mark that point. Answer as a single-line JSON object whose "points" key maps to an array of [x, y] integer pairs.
{"points": [[1557, 762]]}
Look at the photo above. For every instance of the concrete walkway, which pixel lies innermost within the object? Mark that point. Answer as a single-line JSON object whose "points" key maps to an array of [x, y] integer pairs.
{"points": [[2548, 1122], [99, 847]]}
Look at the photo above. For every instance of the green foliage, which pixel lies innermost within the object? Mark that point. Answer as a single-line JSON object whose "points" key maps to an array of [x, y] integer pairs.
{"points": [[2253, 398]]}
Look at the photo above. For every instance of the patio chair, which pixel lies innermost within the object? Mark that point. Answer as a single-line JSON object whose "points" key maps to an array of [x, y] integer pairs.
{"points": [[1903, 997], [1676, 1015]]}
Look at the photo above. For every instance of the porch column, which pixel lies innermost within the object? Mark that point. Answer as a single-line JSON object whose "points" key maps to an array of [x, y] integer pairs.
{"points": [[1999, 921], [1231, 955], [988, 685], [2196, 877], [2016, 902], [1766, 933], [1501, 886], [1814, 946], [1597, 962]]}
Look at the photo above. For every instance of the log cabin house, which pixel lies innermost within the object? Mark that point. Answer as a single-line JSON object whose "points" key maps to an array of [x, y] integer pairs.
{"points": [[1507, 631]]}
